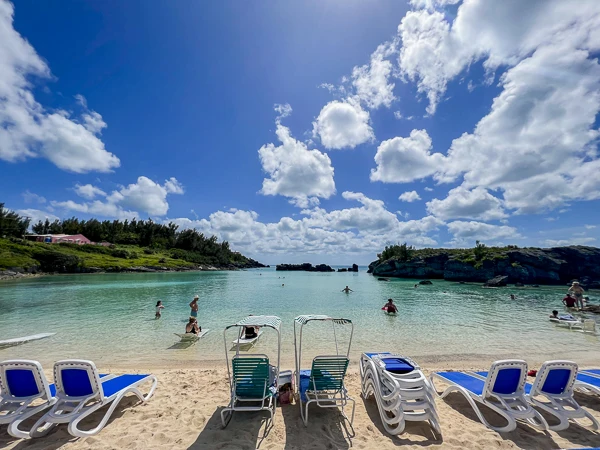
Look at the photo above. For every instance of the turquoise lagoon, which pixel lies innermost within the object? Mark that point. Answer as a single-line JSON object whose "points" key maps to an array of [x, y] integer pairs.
{"points": [[109, 318]]}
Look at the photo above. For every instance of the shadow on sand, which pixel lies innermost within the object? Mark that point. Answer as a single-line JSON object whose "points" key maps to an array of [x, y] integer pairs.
{"points": [[416, 428], [326, 426], [59, 436], [246, 430]]}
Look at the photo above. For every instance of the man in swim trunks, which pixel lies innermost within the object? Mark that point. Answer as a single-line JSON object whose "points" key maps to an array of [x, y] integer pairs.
{"points": [[569, 301], [194, 307], [578, 291], [347, 290]]}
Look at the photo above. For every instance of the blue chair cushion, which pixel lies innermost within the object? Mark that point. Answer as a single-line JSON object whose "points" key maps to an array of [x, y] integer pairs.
{"points": [[470, 383], [397, 365], [21, 382], [111, 387], [370, 355], [594, 371], [588, 379], [556, 381], [528, 386], [76, 382]]}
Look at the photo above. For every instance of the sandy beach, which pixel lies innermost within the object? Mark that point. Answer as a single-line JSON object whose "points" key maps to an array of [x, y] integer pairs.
{"points": [[185, 414]]}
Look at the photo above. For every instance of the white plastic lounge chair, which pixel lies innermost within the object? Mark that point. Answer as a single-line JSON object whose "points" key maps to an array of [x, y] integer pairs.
{"points": [[21, 383], [555, 381], [324, 385], [80, 390], [503, 391], [588, 381], [253, 381], [401, 390]]}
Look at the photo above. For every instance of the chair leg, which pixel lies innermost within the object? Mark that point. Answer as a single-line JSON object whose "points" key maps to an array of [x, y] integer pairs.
{"points": [[510, 426], [13, 426]]}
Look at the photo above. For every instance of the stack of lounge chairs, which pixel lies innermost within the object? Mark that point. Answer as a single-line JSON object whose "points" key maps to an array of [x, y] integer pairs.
{"points": [[401, 390], [78, 391]]}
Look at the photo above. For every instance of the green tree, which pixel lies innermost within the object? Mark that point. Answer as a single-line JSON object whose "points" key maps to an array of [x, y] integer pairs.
{"points": [[11, 223], [479, 251]]}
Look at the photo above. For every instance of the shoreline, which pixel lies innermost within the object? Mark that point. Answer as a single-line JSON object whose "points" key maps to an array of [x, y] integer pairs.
{"points": [[185, 413]]}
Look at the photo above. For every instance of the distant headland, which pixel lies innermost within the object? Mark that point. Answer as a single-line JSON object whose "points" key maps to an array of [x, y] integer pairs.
{"points": [[558, 265]]}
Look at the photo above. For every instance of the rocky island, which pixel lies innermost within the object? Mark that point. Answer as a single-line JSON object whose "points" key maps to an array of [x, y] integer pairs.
{"points": [[510, 264], [307, 267]]}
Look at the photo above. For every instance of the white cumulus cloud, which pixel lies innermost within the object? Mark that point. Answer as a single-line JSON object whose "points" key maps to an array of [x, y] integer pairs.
{"points": [[401, 160], [462, 203], [409, 196], [372, 81], [88, 191], [28, 129], [295, 171], [343, 124]]}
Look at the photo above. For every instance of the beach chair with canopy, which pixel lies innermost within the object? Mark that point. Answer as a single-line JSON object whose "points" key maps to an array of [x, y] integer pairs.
{"points": [[252, 379], [324, 383], [81, 390], [502, 389], [401, 391], [22, 382], [588, 381], [555, 381]]}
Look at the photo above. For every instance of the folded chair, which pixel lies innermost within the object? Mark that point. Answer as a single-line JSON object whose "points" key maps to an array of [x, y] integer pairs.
{"points": [[502, 389], [252, 381], [555, 381], [22, 382], [401, 390], [80, 390], [324, 385]]}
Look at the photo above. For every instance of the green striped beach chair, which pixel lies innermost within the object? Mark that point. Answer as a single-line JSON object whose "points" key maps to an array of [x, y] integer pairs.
{"points": [[252, 384], [324, 385]]}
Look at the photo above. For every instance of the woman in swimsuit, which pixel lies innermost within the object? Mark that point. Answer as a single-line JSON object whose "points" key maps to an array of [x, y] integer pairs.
{"points": [[192, 327]]}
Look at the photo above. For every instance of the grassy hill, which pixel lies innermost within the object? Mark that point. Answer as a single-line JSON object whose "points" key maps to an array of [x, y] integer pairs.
{"points": [[21, 255]]}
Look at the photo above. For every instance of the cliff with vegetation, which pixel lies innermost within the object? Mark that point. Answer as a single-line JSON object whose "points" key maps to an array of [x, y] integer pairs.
{"points": [[557, 265], [136, 245]]}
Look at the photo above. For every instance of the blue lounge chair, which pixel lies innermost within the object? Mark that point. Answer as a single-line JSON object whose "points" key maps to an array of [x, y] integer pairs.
{"points": [[588, 381], [502, 390], [555, 381], [21, 383], [81, 390]]}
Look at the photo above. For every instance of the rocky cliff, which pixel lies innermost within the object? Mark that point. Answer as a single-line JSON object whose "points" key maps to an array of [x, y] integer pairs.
{"points": [[307, 267], [527, 265]]}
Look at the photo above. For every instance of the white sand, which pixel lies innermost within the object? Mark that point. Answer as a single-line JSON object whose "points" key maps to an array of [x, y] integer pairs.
{"points": [[185, 414]]}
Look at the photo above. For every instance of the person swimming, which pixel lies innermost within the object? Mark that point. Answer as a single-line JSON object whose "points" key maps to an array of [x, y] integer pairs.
{"points": [[389, 307], [347, 290], [569, 301]]}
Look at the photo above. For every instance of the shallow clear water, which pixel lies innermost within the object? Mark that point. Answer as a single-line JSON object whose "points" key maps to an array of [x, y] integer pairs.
{"points": [[109, 318]]}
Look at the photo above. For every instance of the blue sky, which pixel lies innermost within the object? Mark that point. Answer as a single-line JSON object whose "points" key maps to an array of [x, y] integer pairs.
{"points": [[307, 131]]}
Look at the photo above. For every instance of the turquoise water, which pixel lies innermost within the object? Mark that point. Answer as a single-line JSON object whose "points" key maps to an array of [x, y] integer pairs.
{"points": [[109, 318]]}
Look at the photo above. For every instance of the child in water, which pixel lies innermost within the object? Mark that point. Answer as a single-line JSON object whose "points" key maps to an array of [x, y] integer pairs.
{"points": [[159, 307]]}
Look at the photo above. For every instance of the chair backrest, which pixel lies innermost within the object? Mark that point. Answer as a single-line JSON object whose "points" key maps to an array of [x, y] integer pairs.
{"points": [[555, 378], [251, 374], [328, 372], [506, 378], [77, 379], [23, 379], [589, 325]]}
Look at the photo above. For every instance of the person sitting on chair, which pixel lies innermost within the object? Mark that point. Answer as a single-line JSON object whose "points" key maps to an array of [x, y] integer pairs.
{"points": [[192, 327], [250, 332]]}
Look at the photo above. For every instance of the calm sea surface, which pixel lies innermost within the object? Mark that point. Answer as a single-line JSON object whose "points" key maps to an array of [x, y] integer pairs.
{"points": [[109, 318]]}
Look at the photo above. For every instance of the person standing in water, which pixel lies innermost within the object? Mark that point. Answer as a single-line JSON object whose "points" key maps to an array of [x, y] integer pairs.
{"points": [[578, 291], [389, 307], [194, 307], [347, 290], [159, 307]]}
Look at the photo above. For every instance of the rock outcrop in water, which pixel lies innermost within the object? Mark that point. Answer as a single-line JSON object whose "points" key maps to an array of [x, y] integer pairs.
{"points": [[558, 265], [307, 267]]}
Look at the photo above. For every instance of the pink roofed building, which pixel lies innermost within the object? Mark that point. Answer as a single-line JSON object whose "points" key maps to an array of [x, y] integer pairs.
{"points": [[58, 238]]}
